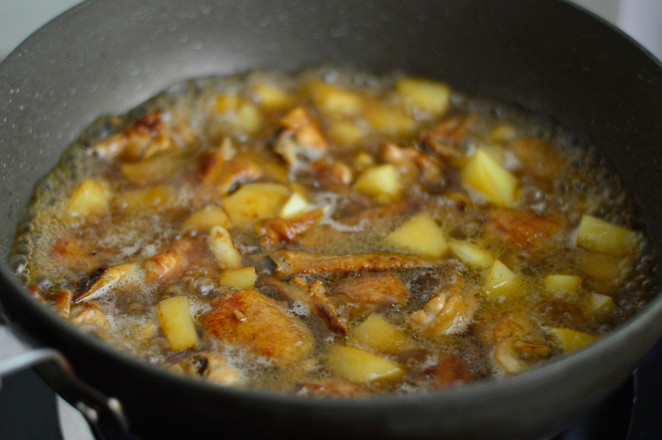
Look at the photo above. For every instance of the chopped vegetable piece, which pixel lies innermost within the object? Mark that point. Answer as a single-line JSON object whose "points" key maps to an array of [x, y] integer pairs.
{"points": [[485, 175], [597, 235], [359, 365], [597, 303], [177, 323], [382, 182], [205, 219], [571, 340], [378, 334], [563, 283], [431, 96], [471, 254], [223, 248], [501, 281], [91, 197], [254, 201], [243, 278], [419, 235]]}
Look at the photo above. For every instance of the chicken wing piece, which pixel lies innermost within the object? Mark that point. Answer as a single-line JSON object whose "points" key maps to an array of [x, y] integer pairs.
{"points": [[312, 296], [285, 263], [371, 292], [260, 325], [529, 230], [450, 311]]}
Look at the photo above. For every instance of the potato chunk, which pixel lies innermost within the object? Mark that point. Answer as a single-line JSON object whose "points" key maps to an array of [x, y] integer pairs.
{"points": [[382, 182], [144, 199], [91, 197], [243, 278], [177, 323], [223, 248], [255, 201], [359, 365], [333, 100], [419, 235], [598, 304], [205, 219], [501, 281], [271, 96], [471, 254], [563, 283], [570, 340], [296, 204], [597, 235], [431, 96], [484, 175], [378, 334]]}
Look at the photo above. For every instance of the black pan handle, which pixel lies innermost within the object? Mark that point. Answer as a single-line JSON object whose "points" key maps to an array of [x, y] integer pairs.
{"points": [[18, 352]]}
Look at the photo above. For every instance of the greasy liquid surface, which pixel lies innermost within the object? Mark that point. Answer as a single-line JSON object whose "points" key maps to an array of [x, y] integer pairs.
{"points": [[370, 220]]}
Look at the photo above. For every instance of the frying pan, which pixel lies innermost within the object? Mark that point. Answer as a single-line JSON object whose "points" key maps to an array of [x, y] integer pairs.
{"points": [[546, 56]]}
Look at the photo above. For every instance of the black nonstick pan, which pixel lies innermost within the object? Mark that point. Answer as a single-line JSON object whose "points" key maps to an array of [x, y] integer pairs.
{"points": [[545, 56]]}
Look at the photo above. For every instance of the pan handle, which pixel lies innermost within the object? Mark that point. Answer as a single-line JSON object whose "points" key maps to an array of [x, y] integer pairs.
{"points": [[18, 352]]}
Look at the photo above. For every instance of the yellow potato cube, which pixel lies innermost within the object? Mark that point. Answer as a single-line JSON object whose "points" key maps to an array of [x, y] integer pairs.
{"points": [[602, 271], [484, 175], [177, 324], [502, 133], [221, 245], [599, 304], [206, 218], [226, 103], [359, 365], [471, 254], [363, 161], [155, 197], [419, 235], [378, 334], [563, 283], [271, 96], [255, 201], [249, 118], [570, 340], [295, 205], [242, 279], [501, 281], [430, 96], [597, 235], [346, 133], [390, 120], [153, 169], [91, 197], [333, 100], [382, 182]]}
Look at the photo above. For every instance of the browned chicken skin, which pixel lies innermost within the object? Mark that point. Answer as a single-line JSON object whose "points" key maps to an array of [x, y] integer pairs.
{"points": [[258, 324]]}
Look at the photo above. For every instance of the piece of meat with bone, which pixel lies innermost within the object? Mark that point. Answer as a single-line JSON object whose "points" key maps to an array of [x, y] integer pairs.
{"points": [[210, 366], [536, 233], [274, 231], [300, 138], [517, 340], [537, 158], [449, 311], [144, 138], [261, 326], [445, 138], [371, 292], [103, 280], [285, 263], [311, 295], [412, 163], [450, 370]]}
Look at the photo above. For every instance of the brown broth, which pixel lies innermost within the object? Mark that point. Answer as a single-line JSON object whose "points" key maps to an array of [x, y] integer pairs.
{"points": [[355, 116]]}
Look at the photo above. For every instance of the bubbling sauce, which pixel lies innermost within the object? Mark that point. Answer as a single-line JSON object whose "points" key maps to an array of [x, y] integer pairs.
{"points": [[334, 233]]}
